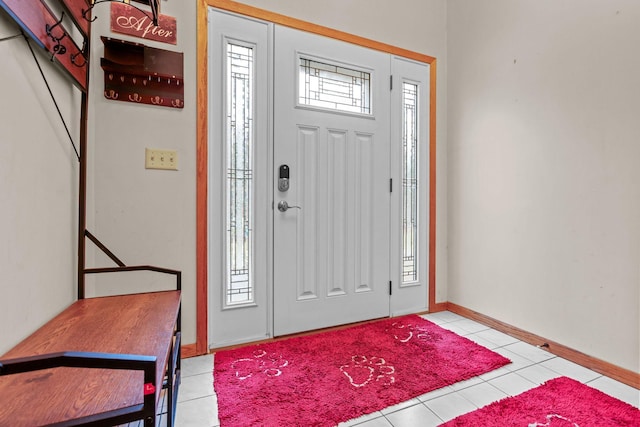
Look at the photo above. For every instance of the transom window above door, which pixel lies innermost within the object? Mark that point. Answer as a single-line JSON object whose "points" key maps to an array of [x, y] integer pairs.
{"points": [[334, 87]]}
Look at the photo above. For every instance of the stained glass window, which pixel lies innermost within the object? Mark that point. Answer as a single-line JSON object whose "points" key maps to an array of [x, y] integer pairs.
{"points": [[334, 87], [239, 183], [409, 182]]}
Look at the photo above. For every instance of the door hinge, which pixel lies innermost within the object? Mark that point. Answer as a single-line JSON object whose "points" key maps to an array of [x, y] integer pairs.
{"points": [[390, 288], [391, 82], [390, 185]]}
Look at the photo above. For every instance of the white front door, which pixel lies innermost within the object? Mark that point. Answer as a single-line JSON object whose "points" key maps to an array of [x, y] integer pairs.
{"points": [[325, 109], [331, 136]]}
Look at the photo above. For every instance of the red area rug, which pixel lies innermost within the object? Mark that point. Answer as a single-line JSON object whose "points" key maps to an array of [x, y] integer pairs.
{"points": [[330, 377], [561, 402]]}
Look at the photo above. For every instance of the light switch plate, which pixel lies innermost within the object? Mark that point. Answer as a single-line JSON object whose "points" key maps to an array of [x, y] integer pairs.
{"points": [[156, 158]]}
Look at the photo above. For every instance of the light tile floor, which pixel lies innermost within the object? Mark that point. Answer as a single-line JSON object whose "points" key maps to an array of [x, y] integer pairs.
{"points": [[197, 403]]}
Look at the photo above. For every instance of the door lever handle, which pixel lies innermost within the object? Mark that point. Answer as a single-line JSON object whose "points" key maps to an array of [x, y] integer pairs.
{"points": [[283, 206]]}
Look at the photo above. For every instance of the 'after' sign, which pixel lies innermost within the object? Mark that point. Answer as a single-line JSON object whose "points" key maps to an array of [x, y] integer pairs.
{"points": [[128, 20]]}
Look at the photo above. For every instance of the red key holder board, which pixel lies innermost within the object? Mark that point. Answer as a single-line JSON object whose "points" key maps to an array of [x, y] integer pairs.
{"points": [[141, 74]]}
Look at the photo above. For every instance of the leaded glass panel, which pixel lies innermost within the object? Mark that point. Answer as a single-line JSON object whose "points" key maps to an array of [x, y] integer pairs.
{"points": [[409, 183], [334, 87], [239, 185]]}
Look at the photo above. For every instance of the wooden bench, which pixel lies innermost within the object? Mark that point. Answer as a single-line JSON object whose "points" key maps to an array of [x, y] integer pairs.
{"points": [[103, 361]]}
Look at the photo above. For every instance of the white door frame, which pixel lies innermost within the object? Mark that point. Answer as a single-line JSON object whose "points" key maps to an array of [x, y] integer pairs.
{"points": [[202, 299]]}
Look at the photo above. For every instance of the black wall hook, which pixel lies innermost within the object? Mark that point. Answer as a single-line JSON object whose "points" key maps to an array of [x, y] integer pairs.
{"points": [[153, 17], [87, 12], [82, 54], [73, 57], [59, 48], [49, 29]]}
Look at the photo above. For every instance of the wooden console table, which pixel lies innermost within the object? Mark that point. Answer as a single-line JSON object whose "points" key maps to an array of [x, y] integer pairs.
{"points": [[115, 355]]}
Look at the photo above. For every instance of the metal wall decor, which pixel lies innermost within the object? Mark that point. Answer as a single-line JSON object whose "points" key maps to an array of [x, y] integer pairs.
{"points": [[141, 74], [154, 5], [36, 20]]}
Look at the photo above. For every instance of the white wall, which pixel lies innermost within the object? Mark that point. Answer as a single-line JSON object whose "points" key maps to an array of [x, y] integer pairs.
{"points": [[544, 183], [38, 190], [144, 216]]}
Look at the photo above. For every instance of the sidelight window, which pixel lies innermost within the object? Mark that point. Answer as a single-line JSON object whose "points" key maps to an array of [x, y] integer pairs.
{"points": [[409, 183], [239, 179]]}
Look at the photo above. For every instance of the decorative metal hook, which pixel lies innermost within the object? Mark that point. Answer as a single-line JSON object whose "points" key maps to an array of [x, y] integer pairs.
{"points": [[49, 29], [94, 3], [59, 48], [86, 12], [73, 56]]}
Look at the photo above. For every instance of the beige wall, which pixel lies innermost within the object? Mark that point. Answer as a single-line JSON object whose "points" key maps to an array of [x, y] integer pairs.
{"points": [[144, 216], [538, 202], [544, 183], [38, 190]]}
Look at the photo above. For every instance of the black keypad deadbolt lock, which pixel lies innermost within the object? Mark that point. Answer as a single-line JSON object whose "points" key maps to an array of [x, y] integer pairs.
{"points": [[283, 179]]}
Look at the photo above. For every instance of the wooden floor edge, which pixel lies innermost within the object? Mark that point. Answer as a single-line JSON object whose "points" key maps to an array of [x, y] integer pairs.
{"points": [[618, 373], [189, 350], [437, 307]]}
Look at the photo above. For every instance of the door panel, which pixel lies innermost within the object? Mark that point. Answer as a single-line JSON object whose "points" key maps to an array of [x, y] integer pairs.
{"points": [[331, 255], [231, 324]]}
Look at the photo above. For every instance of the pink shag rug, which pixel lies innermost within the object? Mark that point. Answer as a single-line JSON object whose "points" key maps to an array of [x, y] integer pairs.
{"points": [[561, 402], [330, 377]]}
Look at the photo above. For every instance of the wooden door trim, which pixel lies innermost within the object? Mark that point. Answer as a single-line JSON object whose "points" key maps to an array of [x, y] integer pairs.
{"points": [[618, 373], [202, 139]]}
